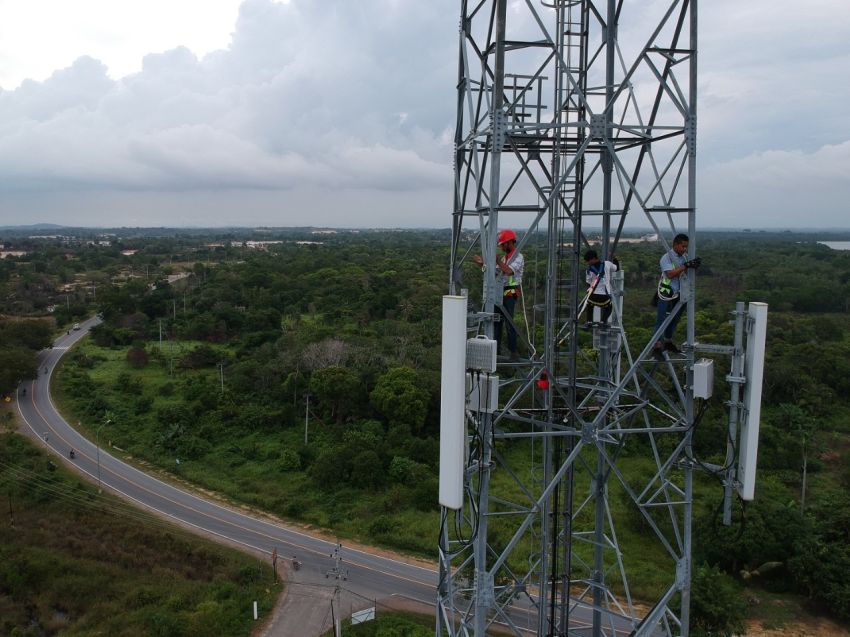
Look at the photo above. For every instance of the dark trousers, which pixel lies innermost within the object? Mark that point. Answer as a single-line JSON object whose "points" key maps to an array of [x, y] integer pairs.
{"points": [[603, 302], [509, 303], [663, 309]]}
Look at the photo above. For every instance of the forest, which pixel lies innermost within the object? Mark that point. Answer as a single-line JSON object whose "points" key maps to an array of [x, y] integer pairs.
{"points": [[301, 376]]}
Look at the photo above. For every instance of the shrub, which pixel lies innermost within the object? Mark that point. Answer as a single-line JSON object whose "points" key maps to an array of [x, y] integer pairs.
{"points": [[718, 609], [290, 460], [367, 470], [425, 494], [137, 357], [381, 525]]}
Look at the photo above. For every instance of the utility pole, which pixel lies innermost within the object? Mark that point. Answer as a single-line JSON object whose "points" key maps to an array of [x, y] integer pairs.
{"points": [[338, 622], [97, 444], [221, 375], [306, 419]]}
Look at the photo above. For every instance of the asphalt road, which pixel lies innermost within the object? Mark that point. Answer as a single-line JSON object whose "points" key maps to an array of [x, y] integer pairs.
{"points": [[366, 576], [358, 579]]}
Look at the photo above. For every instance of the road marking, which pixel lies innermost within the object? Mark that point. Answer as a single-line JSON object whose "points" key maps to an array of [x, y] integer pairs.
{"points": [[204, 514]]}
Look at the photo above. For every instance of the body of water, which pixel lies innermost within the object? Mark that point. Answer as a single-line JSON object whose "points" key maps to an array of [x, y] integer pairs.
{"points": [[836, 245]]}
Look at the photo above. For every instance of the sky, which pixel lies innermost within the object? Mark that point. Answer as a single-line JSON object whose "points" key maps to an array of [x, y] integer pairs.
{"points": [[341, 113]]}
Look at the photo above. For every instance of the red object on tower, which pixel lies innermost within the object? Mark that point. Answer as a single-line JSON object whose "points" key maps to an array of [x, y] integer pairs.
{"points": [[543, 382]]}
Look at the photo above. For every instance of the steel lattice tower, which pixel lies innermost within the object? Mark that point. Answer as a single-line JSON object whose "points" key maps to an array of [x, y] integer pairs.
{"points": [[572, 115]]}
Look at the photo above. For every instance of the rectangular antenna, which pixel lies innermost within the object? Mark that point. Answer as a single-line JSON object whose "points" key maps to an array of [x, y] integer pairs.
{"points": [[453, 402], [703, 378], [481, 354], [482, 393], [754, 374]]}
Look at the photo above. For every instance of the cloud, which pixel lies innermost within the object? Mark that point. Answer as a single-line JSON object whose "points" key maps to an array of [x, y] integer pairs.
{"points": [[345, 110], [307, 94], [779, 187]]}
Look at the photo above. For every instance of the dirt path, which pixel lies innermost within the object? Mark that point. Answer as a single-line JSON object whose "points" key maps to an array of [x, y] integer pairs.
{"points": [[814, 627]]}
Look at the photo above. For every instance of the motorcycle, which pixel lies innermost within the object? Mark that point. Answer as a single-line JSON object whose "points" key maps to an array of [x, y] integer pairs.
{"points": [[71, 454]]}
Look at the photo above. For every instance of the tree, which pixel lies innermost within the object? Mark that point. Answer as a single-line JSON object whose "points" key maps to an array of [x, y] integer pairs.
{"points": [[766, 532], [821, 556], [399, 396], [16, 364], [337, 390], [803, 427], [34, 335], [330, 352]]}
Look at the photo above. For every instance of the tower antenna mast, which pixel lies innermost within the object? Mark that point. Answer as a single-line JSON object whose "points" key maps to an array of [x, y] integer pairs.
{"points": [[573, 116]]}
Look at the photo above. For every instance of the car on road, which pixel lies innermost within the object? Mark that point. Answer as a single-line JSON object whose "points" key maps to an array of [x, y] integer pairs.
{"points": [[76, 327]]}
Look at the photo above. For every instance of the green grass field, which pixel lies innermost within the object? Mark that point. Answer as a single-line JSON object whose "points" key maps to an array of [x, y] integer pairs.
{"points": [[74, 562]]}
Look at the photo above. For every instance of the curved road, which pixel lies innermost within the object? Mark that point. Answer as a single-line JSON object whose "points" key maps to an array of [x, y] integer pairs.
{"points": [[368, 576]]}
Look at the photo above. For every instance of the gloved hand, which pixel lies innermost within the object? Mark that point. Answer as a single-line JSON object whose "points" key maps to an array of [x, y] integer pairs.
{"points": [[693, 263]]}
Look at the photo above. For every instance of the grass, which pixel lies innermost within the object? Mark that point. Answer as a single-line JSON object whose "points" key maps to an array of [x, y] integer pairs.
{"points": [[74, 562], [389, 624], [247, 467]]}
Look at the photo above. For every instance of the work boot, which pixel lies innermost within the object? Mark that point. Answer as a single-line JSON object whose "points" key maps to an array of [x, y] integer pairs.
{"points": [[670, 346]]}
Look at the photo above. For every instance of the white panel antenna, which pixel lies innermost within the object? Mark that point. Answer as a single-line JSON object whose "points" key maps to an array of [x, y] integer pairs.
{"points": [[754, 373], [453, 402]]}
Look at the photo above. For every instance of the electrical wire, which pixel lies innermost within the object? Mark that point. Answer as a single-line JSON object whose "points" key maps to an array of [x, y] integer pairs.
{"points": [[82, 497]]}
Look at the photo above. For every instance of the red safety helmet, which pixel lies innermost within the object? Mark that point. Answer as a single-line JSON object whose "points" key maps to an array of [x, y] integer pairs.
{"points": [[505, 236]]}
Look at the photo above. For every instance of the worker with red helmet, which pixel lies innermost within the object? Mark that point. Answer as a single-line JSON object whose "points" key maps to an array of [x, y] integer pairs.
{"points": [[510, 266]]}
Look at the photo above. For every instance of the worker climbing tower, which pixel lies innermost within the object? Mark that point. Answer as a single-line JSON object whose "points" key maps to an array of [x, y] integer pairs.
{"points": [[574, 118]]}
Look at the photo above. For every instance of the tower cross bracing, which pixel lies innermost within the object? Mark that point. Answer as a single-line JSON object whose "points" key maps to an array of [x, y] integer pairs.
{"points": [[574, 117]]}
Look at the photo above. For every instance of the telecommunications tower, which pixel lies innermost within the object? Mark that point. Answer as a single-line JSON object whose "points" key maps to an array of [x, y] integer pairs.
{"points": [[572, 116]]}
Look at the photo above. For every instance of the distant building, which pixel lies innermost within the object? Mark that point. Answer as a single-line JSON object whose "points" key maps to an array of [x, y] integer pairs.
{"points": [[128, 253], [12, 253], [171, 278], [260, 245]]}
